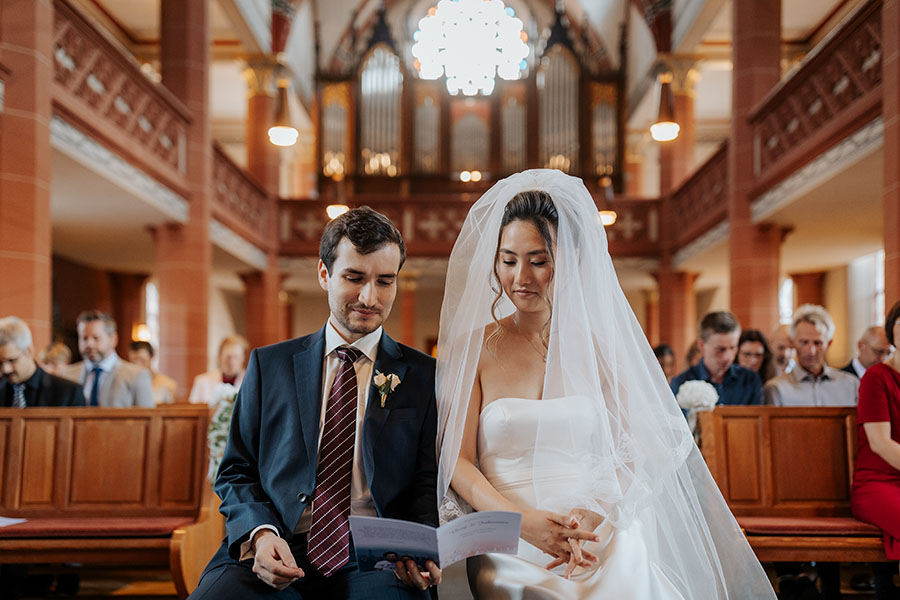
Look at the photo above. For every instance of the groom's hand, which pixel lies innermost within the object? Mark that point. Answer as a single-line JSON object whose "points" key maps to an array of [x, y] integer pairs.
{"points": [[273, 560], [411, 574]]}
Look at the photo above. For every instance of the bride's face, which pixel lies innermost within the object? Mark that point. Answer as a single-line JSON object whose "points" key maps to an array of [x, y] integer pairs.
{"points": [[525, 266]]}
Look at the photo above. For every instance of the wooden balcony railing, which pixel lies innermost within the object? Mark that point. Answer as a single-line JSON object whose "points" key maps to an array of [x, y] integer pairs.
{"points": [[430, 224], [242, 204], [702, 201], [836, 89], [100, 87]]}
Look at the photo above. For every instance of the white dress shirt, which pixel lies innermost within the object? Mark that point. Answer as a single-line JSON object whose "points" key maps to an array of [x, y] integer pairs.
{"points": [[858, 367], [832, 387], [360, 496]]}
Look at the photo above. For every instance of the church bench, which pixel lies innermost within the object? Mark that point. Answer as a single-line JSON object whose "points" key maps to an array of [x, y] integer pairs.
{"points": [[786, 472], [108, 485]]}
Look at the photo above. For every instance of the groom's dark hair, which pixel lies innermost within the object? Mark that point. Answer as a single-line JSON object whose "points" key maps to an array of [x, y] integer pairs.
{"points": [[367, 230]]}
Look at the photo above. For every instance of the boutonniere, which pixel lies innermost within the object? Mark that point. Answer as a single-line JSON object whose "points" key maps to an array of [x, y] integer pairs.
{"points": [[385, 384]]}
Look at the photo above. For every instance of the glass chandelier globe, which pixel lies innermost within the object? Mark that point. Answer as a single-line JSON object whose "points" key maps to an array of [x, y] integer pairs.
{"points": [[470, 41]]}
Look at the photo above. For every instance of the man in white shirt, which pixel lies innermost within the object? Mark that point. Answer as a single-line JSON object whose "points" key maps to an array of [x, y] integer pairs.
{"points": [[313, 439], [873, 347]]}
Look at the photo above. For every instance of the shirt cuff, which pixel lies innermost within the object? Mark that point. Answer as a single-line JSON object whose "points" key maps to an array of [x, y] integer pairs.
{"points": [[247, 550]]}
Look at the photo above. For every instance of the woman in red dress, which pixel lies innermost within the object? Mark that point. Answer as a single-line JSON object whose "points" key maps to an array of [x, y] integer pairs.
{"points": [[875, 497]]}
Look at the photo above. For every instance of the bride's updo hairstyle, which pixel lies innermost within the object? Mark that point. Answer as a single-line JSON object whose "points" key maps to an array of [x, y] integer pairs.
{"points": [[537, 208]]}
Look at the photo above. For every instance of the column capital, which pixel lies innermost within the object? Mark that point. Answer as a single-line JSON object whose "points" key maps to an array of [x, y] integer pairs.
{"points": [[683, 68], [262, 72]]}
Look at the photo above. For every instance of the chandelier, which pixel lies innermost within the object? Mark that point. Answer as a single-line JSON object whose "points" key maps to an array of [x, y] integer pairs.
{"points": [[470, 41]]}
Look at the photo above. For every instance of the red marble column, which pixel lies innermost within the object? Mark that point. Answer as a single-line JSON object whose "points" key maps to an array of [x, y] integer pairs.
{"points": [[810, 287], [184, 252], [26, 32], [755, 250], [651, 304], [128, 309], [262, 307], [890, 107], [684, 76], [677, 311]]}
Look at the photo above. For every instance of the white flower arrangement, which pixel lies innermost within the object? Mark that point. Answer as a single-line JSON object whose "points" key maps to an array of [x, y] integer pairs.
{"points": [[696, 396], [223, 403], [385, 384]]}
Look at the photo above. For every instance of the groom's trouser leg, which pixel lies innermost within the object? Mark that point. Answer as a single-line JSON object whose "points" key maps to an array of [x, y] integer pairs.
{"points": [[228, 579]]}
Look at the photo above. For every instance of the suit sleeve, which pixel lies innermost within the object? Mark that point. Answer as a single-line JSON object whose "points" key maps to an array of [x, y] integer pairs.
{"points": [[245, 504], [756, 389], [76, 397], [425, 499], [143, 390]]}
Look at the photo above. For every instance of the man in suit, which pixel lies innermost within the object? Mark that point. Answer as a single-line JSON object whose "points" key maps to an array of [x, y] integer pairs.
{"points": [[108, 380], [23, 383], [313, 440], [873, 347]]}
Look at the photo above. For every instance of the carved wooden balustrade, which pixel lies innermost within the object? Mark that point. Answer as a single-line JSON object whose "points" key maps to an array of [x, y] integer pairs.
{"points": [[836, 89], [240, 203], [430, 224], [701, 202], [101, 89]]}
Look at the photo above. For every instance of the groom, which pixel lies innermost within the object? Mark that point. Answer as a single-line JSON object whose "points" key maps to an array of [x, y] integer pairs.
{"points": [[313, 439]]}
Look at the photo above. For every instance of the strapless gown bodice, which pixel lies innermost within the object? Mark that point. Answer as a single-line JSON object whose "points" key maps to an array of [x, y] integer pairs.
{"points": [[508, 459]]}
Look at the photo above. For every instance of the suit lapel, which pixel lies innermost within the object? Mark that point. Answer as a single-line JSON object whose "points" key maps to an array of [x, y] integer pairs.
{"points": [[388, 360], [308, 385]]}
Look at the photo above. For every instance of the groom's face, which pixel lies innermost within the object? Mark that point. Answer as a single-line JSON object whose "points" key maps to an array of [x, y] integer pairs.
{"points": [[361, 288]]}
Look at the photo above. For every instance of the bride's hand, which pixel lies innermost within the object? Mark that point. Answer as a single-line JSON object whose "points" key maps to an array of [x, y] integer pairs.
{"points": [[578, 556], [551, 533]]}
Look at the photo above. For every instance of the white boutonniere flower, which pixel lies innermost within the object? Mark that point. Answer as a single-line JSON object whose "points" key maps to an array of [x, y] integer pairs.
{"points": [[385, 384]]}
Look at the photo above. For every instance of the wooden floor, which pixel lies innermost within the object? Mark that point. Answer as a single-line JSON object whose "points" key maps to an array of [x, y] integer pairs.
{"points": [[104, 583]]}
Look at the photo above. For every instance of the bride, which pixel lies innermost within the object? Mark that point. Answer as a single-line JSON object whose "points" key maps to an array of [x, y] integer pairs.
{"points": [[553, 405]]}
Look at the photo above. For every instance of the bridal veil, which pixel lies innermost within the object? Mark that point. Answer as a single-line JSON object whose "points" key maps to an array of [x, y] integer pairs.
{"points": [[642, 460]]}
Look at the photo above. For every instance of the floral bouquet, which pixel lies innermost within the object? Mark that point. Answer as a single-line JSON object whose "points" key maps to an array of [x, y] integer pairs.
{"points": [[222, 403], [696, 396]]}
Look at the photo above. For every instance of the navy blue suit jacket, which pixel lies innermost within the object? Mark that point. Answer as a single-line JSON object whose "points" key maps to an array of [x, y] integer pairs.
{"points": [[268, 471]]}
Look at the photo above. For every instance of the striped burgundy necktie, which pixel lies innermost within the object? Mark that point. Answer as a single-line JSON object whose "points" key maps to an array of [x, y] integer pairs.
{"points": [[328, 545]]}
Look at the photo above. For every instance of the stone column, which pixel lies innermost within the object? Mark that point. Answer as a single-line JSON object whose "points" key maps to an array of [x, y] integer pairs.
{"points": [[754, 250], [127, 305], [184, 253], [890, 110], [678, 311], [262, 308], [810, 287], [651, 304], [26, 31], [684, 78], [263, 157]]}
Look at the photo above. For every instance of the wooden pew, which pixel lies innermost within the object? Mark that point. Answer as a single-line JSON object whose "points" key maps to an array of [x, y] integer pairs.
{"points": [[108, 485], [786, 472]]}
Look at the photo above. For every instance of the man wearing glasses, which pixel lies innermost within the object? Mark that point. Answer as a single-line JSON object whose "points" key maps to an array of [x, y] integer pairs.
{"points": [[23, 383], [873, 347]]}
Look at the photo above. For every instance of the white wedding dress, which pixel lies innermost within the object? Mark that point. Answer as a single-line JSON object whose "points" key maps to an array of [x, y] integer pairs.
{"points": [[506, 458]]}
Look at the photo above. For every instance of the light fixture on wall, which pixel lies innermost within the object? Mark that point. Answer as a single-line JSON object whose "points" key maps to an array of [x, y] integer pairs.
{"points": [[282, 132], [665, 129], [470, 41], [336, 210], [606, 215], [140, 332]]}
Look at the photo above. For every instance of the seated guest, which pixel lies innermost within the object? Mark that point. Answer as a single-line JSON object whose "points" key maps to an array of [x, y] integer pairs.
{"points": [[782, 350], [666, 357], [232, 362], [754, 354], [141, 354], [718, 344], [55, 358], [23, 382], [875, 496], [873, 347], [693, 355], [811, 382], [108, 380]]}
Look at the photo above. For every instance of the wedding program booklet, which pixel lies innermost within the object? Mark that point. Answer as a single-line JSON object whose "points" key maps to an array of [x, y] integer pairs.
{"points": [[379, 543]]}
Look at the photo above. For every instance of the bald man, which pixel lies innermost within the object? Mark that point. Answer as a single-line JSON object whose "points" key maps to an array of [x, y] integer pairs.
{"points": [[782, 350], [873, 347]]}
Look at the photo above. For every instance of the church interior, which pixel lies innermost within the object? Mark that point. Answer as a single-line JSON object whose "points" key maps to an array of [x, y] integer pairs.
{"points": [[173, 163]]}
